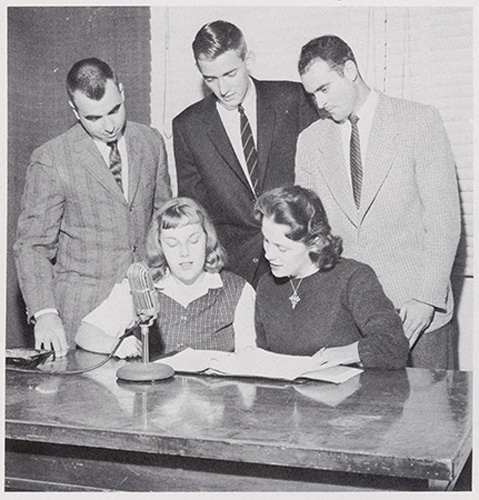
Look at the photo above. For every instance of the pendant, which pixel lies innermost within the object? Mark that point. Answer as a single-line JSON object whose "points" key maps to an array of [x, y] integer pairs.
{"points": [[294, 299]]}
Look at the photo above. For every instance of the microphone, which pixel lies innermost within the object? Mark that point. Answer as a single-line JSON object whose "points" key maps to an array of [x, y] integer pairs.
{"points": [[147, 307], [144, 295]]}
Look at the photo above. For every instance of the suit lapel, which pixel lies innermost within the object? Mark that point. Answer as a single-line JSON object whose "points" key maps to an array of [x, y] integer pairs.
{"points": [[334, 170], [93, 163], [134, 163], [218, 136], [266, 118], [380, 154]]}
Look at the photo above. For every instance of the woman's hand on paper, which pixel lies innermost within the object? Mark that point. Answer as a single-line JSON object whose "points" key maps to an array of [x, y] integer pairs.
{"points": [[343, 355], [320, 356]]}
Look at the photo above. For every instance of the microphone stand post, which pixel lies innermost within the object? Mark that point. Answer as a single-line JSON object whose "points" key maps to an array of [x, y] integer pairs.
{"points": [[145, 330], [145, 371]]}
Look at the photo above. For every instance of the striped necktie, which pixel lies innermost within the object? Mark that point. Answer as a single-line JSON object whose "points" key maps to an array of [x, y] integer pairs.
{"points": [[355, 160], [249, 149], [115, 162]]}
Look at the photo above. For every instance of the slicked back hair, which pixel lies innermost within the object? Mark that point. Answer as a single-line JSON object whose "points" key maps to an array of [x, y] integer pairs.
{"points": [[329, 48], [218, 37]]}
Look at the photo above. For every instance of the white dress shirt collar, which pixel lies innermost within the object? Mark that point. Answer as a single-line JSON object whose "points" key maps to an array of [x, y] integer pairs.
{"points": [[231, 122], [249, 105], [105, 153], [366, 112], [365, 115], [185, 294]]}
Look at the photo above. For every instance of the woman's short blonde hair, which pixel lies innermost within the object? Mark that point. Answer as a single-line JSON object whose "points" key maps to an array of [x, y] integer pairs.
{"points": [[179, 212]]}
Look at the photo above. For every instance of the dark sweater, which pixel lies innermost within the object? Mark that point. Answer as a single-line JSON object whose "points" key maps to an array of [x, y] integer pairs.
{"points": [[337, 307]]}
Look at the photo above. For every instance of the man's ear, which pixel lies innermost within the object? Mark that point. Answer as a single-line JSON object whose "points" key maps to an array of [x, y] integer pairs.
{"points": [[74, 109], [351, 70], [249, 60], [122, 92]]}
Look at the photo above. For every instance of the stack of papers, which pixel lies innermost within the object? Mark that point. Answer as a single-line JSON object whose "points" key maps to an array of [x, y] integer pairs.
{"points": [[258, 363]]}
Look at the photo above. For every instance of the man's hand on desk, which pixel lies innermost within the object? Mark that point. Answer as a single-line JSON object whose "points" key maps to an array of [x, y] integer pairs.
{"points": [[416, 317], [50, 334]]}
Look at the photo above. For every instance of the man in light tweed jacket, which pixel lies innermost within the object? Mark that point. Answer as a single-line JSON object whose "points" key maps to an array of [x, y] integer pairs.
{"points": [[80, 226], [398, 208]]}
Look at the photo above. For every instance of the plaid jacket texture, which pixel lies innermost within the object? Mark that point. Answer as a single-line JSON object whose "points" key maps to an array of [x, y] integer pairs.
{"points": [[77, 234]]}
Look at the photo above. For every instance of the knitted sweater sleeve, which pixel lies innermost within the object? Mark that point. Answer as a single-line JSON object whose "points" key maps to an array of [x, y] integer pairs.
{"points": [[261, 340], [383, 343]]}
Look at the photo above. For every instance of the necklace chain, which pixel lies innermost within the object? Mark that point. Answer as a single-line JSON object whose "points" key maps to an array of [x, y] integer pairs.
{"points": [[294, 298]]}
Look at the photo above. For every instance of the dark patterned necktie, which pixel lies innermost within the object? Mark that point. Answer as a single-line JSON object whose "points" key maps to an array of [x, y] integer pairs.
{"points": [[355, 160], [115, 162], [250, 153]]}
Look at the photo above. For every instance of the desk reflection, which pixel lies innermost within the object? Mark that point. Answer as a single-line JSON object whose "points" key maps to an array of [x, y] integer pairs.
{"points": [[372, 409]]}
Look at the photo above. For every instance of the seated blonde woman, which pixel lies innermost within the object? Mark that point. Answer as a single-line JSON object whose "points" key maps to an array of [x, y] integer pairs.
{"points": [[202, 306], [315, 302]]}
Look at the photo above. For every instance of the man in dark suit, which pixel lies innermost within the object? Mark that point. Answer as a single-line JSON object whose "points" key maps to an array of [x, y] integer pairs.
{"points": [[237, 142], [89, 197]]}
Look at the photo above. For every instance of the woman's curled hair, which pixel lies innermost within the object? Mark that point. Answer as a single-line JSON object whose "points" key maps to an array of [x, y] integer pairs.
{"points": [[302, 211]]}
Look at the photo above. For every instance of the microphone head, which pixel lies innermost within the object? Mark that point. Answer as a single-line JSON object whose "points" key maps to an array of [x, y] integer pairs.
{"points": [[142, 289]]}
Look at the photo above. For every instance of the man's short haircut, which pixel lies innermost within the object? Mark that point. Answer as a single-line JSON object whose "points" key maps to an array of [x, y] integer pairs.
{"points": [[89, 76], [331, 49], [218, 37]]}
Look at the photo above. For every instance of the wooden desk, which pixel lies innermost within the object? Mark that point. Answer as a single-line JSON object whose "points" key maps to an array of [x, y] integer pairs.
{"points": [[405, 430]]}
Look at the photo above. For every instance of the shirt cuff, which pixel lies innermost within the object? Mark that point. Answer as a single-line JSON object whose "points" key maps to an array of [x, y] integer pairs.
{"points": [[42, 312], [116, 313]]}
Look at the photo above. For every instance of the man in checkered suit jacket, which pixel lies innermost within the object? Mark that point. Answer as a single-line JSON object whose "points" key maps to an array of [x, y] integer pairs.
{"points": [[79, 231]]}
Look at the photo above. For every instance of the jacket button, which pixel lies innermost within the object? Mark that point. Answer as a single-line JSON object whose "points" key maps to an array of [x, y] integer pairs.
{"points": [[255, 260]]}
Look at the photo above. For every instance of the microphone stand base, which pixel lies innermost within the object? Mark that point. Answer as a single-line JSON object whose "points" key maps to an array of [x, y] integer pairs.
{"points": [[143, 372]]}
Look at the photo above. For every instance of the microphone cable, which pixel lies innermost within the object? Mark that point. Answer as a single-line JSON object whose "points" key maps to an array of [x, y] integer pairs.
{"points": [[80, 370]]}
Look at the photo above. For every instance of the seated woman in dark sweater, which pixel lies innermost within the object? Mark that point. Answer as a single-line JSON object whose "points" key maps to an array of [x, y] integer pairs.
{"points": [[314, 302]]}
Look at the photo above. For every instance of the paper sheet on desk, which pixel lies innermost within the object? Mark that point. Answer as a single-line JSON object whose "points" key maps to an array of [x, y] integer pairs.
{"points": [[258, 363]]}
